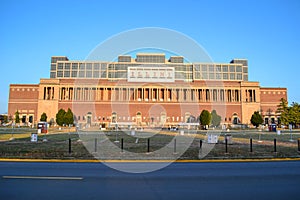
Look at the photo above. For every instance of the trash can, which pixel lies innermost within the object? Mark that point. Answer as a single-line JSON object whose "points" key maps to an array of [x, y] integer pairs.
{"points": [[229, 138], [272, 128]]}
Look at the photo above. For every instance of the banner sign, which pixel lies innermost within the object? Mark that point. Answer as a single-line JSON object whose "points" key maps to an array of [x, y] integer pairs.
{"points": [[151, 74]]}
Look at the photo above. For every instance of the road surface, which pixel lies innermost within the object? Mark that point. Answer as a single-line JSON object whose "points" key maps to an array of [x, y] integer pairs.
{"points": [[226, 180]]}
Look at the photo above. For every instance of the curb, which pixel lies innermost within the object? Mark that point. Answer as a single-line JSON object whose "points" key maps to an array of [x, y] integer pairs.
{"points": [[152, 161]]}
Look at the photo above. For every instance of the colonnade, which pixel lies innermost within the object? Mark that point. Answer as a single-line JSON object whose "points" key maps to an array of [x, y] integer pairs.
{"points": [[150, 94]]}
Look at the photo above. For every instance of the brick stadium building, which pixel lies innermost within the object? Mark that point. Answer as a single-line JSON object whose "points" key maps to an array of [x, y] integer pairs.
{"points": [[146, 90]]}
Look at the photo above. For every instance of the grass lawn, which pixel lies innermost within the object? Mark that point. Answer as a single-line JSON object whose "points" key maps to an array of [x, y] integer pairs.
{"points": [[85, 144]]}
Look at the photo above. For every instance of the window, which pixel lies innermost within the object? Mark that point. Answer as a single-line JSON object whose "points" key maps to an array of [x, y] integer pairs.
{"points": [[232, 68], [96, 66], [232, 76], [53, 66], [67, 74], [81, 74], [67, 65], [204, 76], [74, 73], [96, 74], [239, 76], [60, 65], [211, 68], [204, 68], [59, 73], [89, 66], [53, 75], [75, 66], [89, 74], [218, 76], [81, 66], [225, 68], [245, 69], [211, 76], [218, 68], [225, 76], [197, 75], [239, 69]]}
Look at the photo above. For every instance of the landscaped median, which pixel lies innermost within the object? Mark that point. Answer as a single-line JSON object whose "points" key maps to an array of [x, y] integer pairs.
{"points": [[70, 146]]}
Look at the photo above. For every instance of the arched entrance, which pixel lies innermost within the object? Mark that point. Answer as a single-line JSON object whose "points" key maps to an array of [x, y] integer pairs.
{"points": [[89, 118], [114, 117], [163, 118], [138, 118], [235, 119]]}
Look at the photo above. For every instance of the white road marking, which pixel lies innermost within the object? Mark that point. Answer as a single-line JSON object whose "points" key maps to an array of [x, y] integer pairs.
{"points": [[43, 177]]}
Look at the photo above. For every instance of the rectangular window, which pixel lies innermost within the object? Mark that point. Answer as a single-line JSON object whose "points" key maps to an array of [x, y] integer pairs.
{"points": [[204, 68], [103, 66], [82, 66], [60, 65], [96, 74], [218, 68], [245, 78], [197, 75], [232, 76], [67, 74], [53, 66], [204, 76], [96, 66], [89, 74], [218, 76], [239, 69], [89, 66], [239, 76], [103, 74], [52, 74], [74, 73], [211, 76], [59, 73], [245, 69], [225, 76], [81, 74], [75, 66], [225, 68], [67, 65], [211, 68], [232, 68]]}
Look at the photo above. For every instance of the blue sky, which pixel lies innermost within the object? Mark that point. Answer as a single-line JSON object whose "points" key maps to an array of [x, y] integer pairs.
{"points": [[265, 32]]}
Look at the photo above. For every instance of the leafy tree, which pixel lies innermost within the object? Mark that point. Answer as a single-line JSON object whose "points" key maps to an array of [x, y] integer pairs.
{"points": [[43, 117], [289, 114], [17, 117], [256, 119], [283, 110], [205, 118], [69, 117], [60, 117], [294, 114], [215, 118]]}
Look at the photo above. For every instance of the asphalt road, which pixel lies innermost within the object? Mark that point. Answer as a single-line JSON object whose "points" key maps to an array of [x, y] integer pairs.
{"points": [[253, 180]]}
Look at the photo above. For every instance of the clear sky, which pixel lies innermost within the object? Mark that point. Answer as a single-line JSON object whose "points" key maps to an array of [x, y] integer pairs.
{"points": [[266, 32]]}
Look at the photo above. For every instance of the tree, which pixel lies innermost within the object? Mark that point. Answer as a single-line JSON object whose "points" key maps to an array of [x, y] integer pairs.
{"points": [[283, 111], [256, 119], [17, 117], [68, 117], [60, 117], [215, 118], [289, 114], [205, 118], [43, 117]]}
